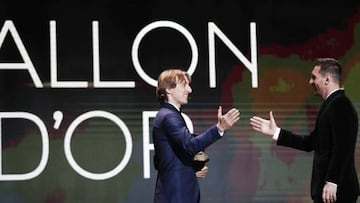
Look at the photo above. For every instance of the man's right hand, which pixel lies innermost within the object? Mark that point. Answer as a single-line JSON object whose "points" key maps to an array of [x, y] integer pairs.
{"points": [[267, 127]]}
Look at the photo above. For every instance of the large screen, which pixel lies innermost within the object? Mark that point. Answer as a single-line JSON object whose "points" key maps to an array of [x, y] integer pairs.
{"points": [[78, 81]]}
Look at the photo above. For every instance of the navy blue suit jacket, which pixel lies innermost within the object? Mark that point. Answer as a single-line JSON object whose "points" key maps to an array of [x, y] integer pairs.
{"points": [[333, 141], [175, 148]]}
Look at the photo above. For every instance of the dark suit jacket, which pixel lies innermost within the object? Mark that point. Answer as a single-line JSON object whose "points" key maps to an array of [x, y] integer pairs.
{"points": [[175, 148], [333, 141]]}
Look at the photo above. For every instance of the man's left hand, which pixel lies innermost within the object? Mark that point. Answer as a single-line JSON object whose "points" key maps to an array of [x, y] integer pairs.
{"points": [[329, 193]]}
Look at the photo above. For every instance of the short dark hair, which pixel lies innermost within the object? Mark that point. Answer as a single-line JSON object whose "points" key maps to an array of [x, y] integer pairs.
{"points": [[331, 66], [168, 79]]}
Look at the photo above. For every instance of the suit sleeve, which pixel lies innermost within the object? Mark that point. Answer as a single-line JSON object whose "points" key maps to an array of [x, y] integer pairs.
{"points": [[180, 136], [300, 142]]}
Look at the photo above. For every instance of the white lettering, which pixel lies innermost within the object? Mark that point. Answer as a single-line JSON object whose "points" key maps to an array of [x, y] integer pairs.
{"points": [[96, 64], [54, 83], [147, 146], [159, 24], [79, 169], [252, 66], [27, 65], [45, 146], [53, 64]]}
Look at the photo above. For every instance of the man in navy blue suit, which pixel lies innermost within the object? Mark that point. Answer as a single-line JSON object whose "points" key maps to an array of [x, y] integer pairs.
{"points": [[334, 176], [175, 146]]}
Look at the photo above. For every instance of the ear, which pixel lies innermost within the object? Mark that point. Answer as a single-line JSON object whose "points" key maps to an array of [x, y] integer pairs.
{"points": [[168, 91], [328, 79]]}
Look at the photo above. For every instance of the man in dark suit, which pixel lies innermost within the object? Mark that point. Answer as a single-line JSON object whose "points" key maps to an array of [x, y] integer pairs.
{"points": [[334, 177], [174, 145]]}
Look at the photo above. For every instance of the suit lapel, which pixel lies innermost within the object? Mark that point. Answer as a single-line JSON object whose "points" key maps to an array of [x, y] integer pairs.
{"points": [[171, 107]]}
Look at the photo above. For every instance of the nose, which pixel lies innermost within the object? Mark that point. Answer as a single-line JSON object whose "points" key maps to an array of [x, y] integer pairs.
{"points": [[189, 89], [311, 81]]}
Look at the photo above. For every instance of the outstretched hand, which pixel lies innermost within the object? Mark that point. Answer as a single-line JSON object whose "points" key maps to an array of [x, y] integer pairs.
{"points": [[267, 127], [228, 120]]}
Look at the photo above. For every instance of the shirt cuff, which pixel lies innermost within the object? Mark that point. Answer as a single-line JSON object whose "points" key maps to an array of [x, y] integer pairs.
{"points": [[276, 134], [220, 131], [334, 184]]}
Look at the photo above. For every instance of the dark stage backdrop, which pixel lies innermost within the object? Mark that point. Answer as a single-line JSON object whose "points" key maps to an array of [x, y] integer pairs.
{"points": [[78, 97]]}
